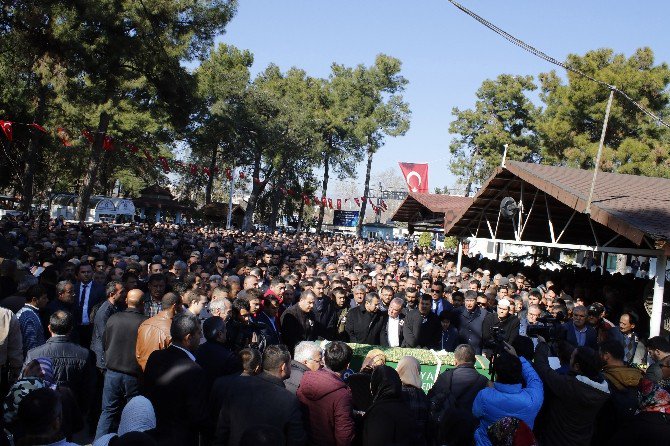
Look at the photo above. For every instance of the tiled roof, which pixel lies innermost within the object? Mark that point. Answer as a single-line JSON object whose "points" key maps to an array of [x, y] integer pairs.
{"points": [[632, 206], [417, 207]]}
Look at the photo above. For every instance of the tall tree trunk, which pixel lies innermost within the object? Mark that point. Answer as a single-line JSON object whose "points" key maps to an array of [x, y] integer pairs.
{"points": [[275, 200], [33, 153], [324, 190], [210, 179], [93, 165], [361, 217]]}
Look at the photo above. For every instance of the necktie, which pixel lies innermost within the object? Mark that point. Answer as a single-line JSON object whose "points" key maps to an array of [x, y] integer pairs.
{"points": [[82, 297]]}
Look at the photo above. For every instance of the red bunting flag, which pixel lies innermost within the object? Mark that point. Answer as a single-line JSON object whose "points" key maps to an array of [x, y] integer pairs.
{"points": [[357, 201], [193, 168], [164, 164], [64, 136], [330, 203], [242, 175], [229, 174], [305, 198], [339, 204], [206, 171], [148, 156], [216, 170], [7, 129], [383, 205], [323, 201], [108, 143], [88, 135], [36, 126], [133, 148]]}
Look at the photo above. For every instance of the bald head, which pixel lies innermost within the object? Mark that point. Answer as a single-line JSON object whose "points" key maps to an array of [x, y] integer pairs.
{"points": [[134, 298]]}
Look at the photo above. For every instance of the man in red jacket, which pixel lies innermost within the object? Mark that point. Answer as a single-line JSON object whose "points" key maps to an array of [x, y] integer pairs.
{"points": [[326, 399]]}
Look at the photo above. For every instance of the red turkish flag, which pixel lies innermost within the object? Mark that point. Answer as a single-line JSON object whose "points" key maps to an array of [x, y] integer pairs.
{"points": [[416, 176], [339, 203], [7, 129], [330, 203], [358, 202]]}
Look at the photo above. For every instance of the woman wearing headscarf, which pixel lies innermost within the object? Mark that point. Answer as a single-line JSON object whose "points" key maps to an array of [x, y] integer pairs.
{"points": [[651, 424], [38, 374], [137, 416], [389, 420], [359, 383], [409, 371]]}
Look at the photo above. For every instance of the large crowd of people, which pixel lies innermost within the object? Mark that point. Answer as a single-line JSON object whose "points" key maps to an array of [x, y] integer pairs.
{"points": [[187, 335]]}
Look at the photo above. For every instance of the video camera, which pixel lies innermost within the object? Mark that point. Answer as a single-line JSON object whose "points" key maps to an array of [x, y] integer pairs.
{"points": [[547, 327]]}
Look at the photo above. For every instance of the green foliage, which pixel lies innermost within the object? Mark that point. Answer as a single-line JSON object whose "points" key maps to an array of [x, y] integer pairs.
{"points": [[503, 114], [567, 129], [571, 125], [425, 239], [450, 242]]}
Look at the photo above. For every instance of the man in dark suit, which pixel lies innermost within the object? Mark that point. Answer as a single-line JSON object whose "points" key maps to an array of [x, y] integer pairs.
{"points": [[213, 356], [325, 312], [262, 400], [87, 294], [392, 330], [470, 320], [577, 332], [364, 323], [439, 303], [176, 385], [267, 318], [422, 327]]}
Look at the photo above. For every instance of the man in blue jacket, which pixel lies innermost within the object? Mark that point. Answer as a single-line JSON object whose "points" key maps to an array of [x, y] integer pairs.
{"points": [[508, 397]]}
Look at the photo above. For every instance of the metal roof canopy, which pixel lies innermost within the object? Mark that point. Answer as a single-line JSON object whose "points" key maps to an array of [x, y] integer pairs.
{"points": [[629, 214], [430, 212]]}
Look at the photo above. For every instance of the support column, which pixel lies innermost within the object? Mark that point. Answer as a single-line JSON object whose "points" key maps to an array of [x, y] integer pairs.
{"points": [[158, 215], [657, 305], [460, 256], [603, 263]]}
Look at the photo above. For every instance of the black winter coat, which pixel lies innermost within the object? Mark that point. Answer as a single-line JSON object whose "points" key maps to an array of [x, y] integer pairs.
{"points": [[260, 399], [297, 326], [217, 360], [644, 428], [364, 327], [389, 421], [120, 341], [325, 316], [74, 366], [177, 389], [469, 326], [420, 331]]}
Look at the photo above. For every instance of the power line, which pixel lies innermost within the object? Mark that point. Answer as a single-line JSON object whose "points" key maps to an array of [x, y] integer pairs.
{"points": [[523, 45]]}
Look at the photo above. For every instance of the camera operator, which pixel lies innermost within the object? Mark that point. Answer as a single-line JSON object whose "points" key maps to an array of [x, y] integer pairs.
{"points": [[499, 326]]}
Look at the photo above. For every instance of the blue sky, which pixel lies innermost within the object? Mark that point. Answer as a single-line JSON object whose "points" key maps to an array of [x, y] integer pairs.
{"points": [[446, 54]]}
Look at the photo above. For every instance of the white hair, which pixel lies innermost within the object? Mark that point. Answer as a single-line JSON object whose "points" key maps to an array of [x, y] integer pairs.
{"points": [[305, 350]]}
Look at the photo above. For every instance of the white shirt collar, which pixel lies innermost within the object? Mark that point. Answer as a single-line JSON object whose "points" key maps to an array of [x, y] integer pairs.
{"points": [[190, 355]]}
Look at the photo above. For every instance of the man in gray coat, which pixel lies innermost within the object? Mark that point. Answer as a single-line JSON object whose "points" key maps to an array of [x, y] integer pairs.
{"points": [[307, 356]]}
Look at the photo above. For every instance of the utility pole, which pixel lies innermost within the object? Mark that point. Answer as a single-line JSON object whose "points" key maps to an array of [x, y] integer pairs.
{"points": [[600, 150], [378, 214]]}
